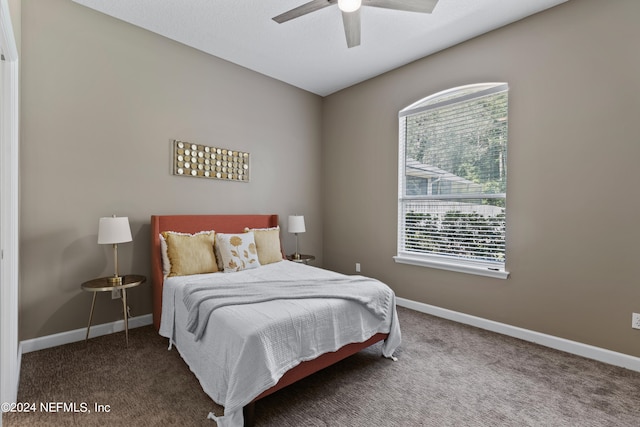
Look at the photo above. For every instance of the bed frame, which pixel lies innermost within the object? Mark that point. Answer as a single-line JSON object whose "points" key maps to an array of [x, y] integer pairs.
{"points": [[236, 224]]}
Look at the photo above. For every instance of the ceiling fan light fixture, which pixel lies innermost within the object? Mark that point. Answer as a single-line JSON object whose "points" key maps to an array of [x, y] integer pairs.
{"points": [[349, 5]]}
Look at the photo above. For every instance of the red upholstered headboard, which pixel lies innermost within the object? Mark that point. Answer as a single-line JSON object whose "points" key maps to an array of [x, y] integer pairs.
{"points": [[193, 224]]}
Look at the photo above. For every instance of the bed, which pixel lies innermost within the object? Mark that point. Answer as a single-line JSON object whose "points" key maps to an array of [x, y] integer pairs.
{"points": [[241, 337]]}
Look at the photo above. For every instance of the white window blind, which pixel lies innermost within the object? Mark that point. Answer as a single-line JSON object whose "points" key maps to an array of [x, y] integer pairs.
{"points": [[453, 180]]}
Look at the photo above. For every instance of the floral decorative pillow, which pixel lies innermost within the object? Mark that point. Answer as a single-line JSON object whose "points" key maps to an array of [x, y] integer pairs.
{"points": [[268, 244], [238, 251]]}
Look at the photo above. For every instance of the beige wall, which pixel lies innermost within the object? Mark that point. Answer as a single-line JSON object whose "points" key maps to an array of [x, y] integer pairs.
{"points": [[572, 203], [101, 100]]}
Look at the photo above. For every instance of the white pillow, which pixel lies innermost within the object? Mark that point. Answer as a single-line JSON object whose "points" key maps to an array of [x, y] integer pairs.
{"points": [[238, 251], [166, 264]]}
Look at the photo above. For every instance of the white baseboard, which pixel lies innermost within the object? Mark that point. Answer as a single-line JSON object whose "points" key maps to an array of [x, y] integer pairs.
{"points": [[573, 347], [54, 340]]}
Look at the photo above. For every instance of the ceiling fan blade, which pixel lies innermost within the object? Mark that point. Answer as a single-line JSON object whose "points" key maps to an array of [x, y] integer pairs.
{"points": [[351, 21], [421, 6], [299, 11]]}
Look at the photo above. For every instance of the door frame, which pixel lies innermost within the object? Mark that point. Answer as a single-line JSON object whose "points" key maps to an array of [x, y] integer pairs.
{"points": [[9, 209]]}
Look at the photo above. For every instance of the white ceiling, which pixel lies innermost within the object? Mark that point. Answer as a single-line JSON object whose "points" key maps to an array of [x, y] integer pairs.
{"points": [[310, 52]]}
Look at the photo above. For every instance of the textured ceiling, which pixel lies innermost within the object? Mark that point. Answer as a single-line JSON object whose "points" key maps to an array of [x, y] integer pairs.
{"points": [[310, 52]]}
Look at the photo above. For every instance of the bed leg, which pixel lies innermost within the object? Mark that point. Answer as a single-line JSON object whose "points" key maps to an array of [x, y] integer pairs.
{"points": [[249, 414]]}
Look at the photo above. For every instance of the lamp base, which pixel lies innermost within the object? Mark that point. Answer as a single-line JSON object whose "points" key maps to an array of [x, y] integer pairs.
{"points": [[114, 280], [296, 256]]}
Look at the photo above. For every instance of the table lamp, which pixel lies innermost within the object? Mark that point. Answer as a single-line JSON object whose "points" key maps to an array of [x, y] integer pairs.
{"points": [[111, 231], [296, 225]]}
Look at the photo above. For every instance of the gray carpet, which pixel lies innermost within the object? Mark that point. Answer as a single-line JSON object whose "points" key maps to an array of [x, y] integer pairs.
{"points": [[447, 375]]}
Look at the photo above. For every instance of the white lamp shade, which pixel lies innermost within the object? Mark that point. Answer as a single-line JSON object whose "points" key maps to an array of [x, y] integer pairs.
{"points": [[112, 230], [296, 224], [349, 5]]}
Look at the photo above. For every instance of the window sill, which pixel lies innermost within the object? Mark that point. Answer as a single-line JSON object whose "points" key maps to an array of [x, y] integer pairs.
{"points": [[451, 266]]}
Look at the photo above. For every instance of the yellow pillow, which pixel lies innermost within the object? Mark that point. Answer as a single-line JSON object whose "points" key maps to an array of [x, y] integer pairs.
{"points": [[191, 253], [268, 244], [238, 251]]}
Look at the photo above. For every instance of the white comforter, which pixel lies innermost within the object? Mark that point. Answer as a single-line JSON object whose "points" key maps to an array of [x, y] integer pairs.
{"points": [[245, 349]]}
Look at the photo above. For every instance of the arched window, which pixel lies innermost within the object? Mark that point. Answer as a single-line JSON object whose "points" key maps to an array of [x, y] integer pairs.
{"points": [[453, 180]]}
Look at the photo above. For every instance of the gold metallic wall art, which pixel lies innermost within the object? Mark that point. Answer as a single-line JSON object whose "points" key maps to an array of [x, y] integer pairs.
{"points": [[202, 161]]}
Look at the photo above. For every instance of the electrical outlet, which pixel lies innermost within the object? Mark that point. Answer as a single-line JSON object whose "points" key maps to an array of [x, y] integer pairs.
{"points": [[635, 320], [115, 293], [357, 267]]}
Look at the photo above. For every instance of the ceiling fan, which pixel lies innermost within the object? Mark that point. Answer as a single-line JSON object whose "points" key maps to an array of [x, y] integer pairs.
{"points": [[351, 12]]}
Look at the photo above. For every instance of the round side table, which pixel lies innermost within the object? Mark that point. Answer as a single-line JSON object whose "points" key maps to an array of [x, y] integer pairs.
{"points": [[304, 259], [102, 285]]}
